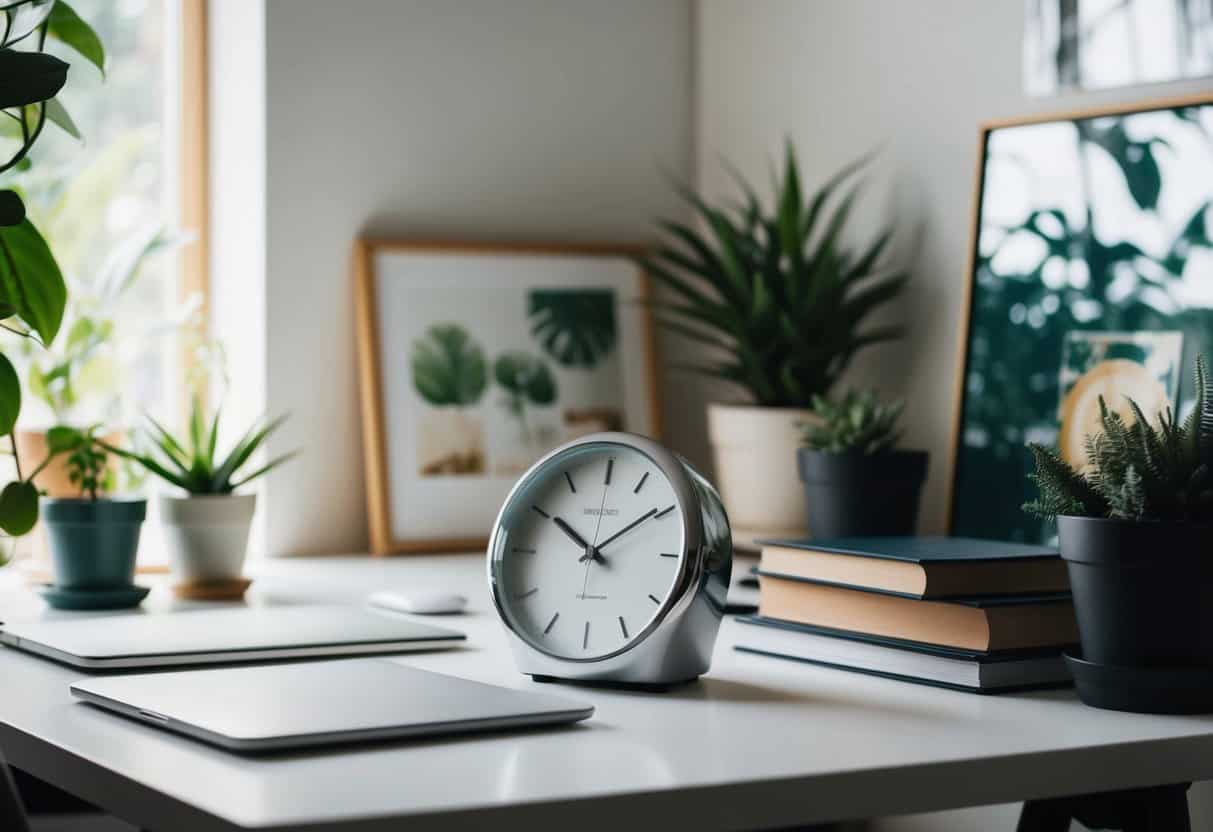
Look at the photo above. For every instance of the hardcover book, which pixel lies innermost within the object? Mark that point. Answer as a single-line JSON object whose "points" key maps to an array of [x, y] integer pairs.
{"points": [[920, 567]]}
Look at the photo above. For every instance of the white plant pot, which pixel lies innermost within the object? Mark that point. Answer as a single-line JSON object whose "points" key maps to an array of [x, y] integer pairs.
{"points": [[754, 450], [206, 536]]}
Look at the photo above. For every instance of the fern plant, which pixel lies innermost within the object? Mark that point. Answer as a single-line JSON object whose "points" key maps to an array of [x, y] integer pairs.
{"points": [[857, 423], [1135, 471], [778, 293]]}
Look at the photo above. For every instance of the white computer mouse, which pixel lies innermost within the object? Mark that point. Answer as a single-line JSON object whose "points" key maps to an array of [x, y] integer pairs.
{"points": [[419, 602]]}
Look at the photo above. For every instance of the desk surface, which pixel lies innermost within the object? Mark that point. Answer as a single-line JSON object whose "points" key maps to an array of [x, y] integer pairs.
{"points": [[758, 742]]}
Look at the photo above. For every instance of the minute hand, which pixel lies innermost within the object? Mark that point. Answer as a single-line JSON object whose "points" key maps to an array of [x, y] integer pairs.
{"points": [[628, 527]]}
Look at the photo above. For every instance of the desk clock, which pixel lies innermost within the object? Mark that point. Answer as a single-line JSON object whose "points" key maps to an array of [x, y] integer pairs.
{"points": [[610, 562]]}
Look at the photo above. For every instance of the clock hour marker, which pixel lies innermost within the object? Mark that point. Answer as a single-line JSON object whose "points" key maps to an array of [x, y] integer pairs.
{"points": [[640, 484], [542, 513], [654, 599], [661, 513], [569, 479], [623, 626], [526, 594], [523, 550], [585, 639], [548, 628], [610, 467], [667, 555]]}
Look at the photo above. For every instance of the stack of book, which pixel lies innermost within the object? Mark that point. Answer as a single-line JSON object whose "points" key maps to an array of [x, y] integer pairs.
{"points": [[976, 615]]}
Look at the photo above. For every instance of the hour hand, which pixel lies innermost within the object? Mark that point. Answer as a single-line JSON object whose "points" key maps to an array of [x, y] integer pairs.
{"points": [[572, 534]]}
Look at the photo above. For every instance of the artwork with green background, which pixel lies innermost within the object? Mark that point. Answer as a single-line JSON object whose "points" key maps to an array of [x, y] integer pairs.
{"points": [[32, 290], [1093, 277]]}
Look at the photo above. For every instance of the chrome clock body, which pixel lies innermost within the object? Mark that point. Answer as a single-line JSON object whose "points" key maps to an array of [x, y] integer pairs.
{"points": [[610, 561]]}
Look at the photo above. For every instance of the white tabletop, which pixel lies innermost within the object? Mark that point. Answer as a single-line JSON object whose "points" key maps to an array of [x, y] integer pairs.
{"points": [[758, 742]]}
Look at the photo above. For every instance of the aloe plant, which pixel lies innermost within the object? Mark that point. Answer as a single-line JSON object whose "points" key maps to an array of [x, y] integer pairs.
{"points": [[576, 327], [449, 367], [192, 462], [527, 381], [32, 291], [779, 293], [857, 423]]}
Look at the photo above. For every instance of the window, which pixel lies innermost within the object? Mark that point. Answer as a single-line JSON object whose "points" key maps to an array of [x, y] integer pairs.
{"points": [[111, 207]]}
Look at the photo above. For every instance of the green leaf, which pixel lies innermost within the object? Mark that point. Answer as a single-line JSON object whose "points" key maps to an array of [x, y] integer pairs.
{"points": [[12, 211], [576, 327], [29, 77], [61, 439], [449, 366], [30, 280], [67, 26], [10, 396], [58, 114], [18, 508]]}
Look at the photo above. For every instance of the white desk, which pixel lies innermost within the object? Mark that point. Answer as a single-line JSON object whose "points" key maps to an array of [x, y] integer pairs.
{"points": [[759, 742]]}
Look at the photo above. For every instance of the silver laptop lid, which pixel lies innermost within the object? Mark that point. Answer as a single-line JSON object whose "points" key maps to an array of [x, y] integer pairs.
{"points": [[314, 703], [222, 635]]}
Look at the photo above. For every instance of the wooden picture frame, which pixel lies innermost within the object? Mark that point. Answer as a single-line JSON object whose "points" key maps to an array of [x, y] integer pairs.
{"points": [[633, 348], [965, 331]]}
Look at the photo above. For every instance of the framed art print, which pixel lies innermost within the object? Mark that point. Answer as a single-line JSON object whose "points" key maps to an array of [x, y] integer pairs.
{"points": [[475, 360], [1091, 275]]}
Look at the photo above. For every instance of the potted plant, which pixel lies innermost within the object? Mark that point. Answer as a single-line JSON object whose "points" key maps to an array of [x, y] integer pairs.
{"points": [[856, 482], [1135, 527], [781, 301], [93, 540], [206, 529], [32, 290]]}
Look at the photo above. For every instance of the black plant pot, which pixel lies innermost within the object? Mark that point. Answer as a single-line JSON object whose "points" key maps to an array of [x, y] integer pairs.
{"points": [[862, 495], [1143, 595]]}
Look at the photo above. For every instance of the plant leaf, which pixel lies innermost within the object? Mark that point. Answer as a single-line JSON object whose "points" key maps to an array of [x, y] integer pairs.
{"points": [[29, 77], [58, 114], [67, 26], [12, 211], [30, 280], [18, 508], [10, 396]]}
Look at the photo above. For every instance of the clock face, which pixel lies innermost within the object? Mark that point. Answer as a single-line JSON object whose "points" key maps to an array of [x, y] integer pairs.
{"points": [[588, 551]]}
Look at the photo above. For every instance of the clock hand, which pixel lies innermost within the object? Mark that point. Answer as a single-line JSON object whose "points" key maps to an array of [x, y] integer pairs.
{"points": [[628, 527], [568, 530]]}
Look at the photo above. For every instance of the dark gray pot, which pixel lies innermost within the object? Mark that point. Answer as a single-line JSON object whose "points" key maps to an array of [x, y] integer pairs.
{"points": [[862, 495], [93, 543]]}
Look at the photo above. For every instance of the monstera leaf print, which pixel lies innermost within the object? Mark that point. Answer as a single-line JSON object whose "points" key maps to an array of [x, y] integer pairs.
{"points": [[576, 327], [449, 367]]}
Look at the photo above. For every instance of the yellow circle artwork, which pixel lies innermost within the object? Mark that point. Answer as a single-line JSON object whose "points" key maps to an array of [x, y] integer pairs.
{"points": [[1117, 380]]}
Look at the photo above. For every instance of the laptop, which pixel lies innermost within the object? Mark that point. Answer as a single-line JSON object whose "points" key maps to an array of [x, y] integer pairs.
{"points": [[276, 707], [232, 634]]}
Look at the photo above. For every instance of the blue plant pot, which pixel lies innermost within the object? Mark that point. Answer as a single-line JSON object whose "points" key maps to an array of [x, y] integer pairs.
{"points": [[93, 543]]}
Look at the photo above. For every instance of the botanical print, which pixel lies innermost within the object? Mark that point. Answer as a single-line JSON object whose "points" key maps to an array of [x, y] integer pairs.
{"points": [[1094, 44], [1093, 275], [492, 408]]}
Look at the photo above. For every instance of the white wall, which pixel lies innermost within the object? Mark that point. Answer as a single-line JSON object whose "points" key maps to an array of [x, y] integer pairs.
{"points": [[843, 76], [543, 120], [840, 77]]}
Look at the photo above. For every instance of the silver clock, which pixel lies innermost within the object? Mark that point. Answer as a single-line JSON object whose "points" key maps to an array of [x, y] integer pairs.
{"points": [[610, 562]]}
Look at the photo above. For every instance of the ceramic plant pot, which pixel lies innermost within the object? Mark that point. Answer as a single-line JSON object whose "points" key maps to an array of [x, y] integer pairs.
{"points": [[1143, 595], [93, 543], [754, 450], [862, 495], [206, 535]]}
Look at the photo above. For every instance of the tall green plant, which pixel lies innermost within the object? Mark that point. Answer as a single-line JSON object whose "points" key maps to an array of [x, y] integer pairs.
{"points": [[779, 294], [32, 291]]}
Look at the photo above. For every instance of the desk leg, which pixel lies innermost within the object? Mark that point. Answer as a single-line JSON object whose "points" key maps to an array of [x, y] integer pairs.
{"points": [[1156, 809]]}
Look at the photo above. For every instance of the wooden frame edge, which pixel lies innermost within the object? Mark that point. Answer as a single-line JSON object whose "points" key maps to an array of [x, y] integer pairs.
{"points": [[966, 321], [374, 436], [194, 156]]}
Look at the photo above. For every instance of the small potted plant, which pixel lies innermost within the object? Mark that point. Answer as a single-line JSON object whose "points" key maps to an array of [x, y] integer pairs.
{"points": [[207, 528], [856, 482], [93, 539], [1135, 527], [782, 303]]}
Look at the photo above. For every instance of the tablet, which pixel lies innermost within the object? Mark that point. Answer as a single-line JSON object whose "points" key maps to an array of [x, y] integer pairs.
{"points": [[229, 634], [275, 707]]}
